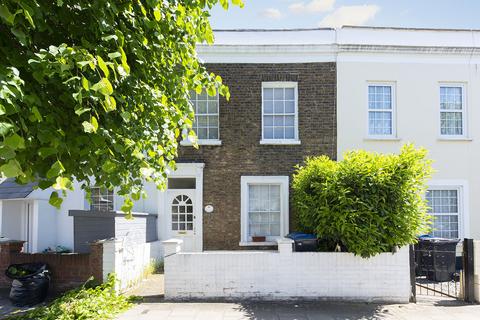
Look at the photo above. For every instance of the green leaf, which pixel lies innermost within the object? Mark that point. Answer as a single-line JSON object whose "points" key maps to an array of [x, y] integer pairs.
{"points": [[108, 166], [157, 14], [5, 128], [110, 104], [81, 110], [127, 205], [14, 142], [125, 65], [36, 114], [103, 86], [55, 200], [63, 183], [114, 55], [29, 18], [6, 15], [45, 152], [55, 170], [6, 153], [103, 66], [85, 84], [11, 169]]}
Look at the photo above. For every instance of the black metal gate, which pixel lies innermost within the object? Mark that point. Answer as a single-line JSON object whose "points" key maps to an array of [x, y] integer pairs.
{"points": [[442, 268]]}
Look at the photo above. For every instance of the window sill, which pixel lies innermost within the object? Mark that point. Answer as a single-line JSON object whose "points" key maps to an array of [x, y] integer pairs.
{"points": [[454, 139], [280, 142], [382, 139], [202, 143], [257, 244]]}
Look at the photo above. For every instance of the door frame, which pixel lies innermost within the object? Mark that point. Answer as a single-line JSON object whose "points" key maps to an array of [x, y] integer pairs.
{"points": [[184, 170]]}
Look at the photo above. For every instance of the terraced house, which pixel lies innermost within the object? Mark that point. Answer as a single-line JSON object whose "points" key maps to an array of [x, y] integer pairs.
{"points": [[294, 94]]}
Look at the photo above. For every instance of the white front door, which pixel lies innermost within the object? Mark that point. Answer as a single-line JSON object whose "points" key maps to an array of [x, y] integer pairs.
{"points": [[182, 216]]}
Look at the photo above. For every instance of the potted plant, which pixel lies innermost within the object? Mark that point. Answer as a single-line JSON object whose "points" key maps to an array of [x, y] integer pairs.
{"points": [[256, 238]]}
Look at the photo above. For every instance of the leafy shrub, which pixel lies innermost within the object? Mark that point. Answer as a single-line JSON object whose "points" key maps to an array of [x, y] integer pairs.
{"points": [[87, 302], [367, 203]]}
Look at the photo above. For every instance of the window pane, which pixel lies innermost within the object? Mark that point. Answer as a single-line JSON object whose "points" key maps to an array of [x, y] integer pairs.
{"points": [[201, 107], [289, 94], [278, 133], [289, 132], [289, 106], [268, 94], [101, 199], [278, 93], [268, 121], [380, 122], [181, 183], [451, 98], [451, 123], [212, 107], [268, 133], [278, 106], [268, 107], [380, 97]]}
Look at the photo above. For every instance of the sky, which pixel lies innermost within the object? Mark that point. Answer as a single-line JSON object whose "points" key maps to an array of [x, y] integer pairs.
{"points": [[279, 14]]}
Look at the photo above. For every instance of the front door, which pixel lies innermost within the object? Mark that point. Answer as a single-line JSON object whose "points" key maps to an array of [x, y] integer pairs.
{"points": [[183, 222]]}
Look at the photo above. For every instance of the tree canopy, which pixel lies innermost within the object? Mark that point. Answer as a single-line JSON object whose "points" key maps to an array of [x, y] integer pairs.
{"points": [[98, 90]]}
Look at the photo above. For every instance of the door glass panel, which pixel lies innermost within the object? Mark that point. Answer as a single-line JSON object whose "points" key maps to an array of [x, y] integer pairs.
{"points": [[182, 213], [181, 183]]}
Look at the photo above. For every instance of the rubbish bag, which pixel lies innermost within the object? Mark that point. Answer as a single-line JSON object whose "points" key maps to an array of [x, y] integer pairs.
{"points": [[30, 283]]}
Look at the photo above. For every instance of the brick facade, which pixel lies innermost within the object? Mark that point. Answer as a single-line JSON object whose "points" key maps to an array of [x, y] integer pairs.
{"points": [[240, 132], [67, 270]]}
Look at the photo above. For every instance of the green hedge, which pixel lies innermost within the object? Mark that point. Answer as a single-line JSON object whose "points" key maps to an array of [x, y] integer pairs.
{"points": [[367, 203]]}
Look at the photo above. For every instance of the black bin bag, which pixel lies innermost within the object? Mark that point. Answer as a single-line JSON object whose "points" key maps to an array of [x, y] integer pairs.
{"points": [[30, 283]]}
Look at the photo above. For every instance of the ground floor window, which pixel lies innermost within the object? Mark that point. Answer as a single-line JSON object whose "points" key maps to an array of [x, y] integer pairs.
{"points": [[444, 206], [264, 207]]}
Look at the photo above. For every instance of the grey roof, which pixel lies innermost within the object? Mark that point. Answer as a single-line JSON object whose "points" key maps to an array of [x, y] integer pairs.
{"points": [[9, 189]]}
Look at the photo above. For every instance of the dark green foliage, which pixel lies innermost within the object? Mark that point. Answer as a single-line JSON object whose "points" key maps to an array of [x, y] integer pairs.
{"points": [[87, 302], [367, 203], [99, 89]]}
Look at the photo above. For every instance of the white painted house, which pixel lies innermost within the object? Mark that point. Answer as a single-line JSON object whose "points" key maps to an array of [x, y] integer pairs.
{"points": [[415, 85]]}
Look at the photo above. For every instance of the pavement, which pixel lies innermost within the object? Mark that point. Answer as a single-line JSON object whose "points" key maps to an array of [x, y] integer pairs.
{"points": [[154, 307]]}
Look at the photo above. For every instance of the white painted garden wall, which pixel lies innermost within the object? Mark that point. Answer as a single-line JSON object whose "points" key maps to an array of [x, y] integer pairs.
{"points": [[283, 274], [129, 260]]}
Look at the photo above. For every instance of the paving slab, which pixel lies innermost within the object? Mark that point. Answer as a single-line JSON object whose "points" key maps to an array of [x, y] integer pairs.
{"points": [[154, 307]]}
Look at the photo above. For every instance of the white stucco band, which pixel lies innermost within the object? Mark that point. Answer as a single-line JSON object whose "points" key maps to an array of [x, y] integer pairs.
{"points": [[278, 275]]}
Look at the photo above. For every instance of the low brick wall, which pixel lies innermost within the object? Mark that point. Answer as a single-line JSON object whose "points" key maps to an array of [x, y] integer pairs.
{"points": [[68, 270], [284, 275]]}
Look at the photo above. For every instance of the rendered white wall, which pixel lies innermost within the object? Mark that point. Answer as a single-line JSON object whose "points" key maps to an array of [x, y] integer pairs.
{"points": [[417, 109], [47, 218], [274, 275], [128, 261], [12, 227]]}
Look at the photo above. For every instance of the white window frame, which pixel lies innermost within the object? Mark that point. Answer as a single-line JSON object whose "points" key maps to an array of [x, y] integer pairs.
{"points": [[281, 84], [464, 134], [393, 135], [91, 204], [207, 142], [463, 210], [283, 181]]}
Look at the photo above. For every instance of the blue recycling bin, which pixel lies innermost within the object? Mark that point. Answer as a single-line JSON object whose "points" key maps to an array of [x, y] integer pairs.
{"points": [[303, 242]]}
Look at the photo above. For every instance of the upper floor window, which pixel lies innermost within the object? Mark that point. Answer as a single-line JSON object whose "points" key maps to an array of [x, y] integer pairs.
{"points": [[381, 110], [206, 116], [279, 112], [452, 110], [101, 199]]}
